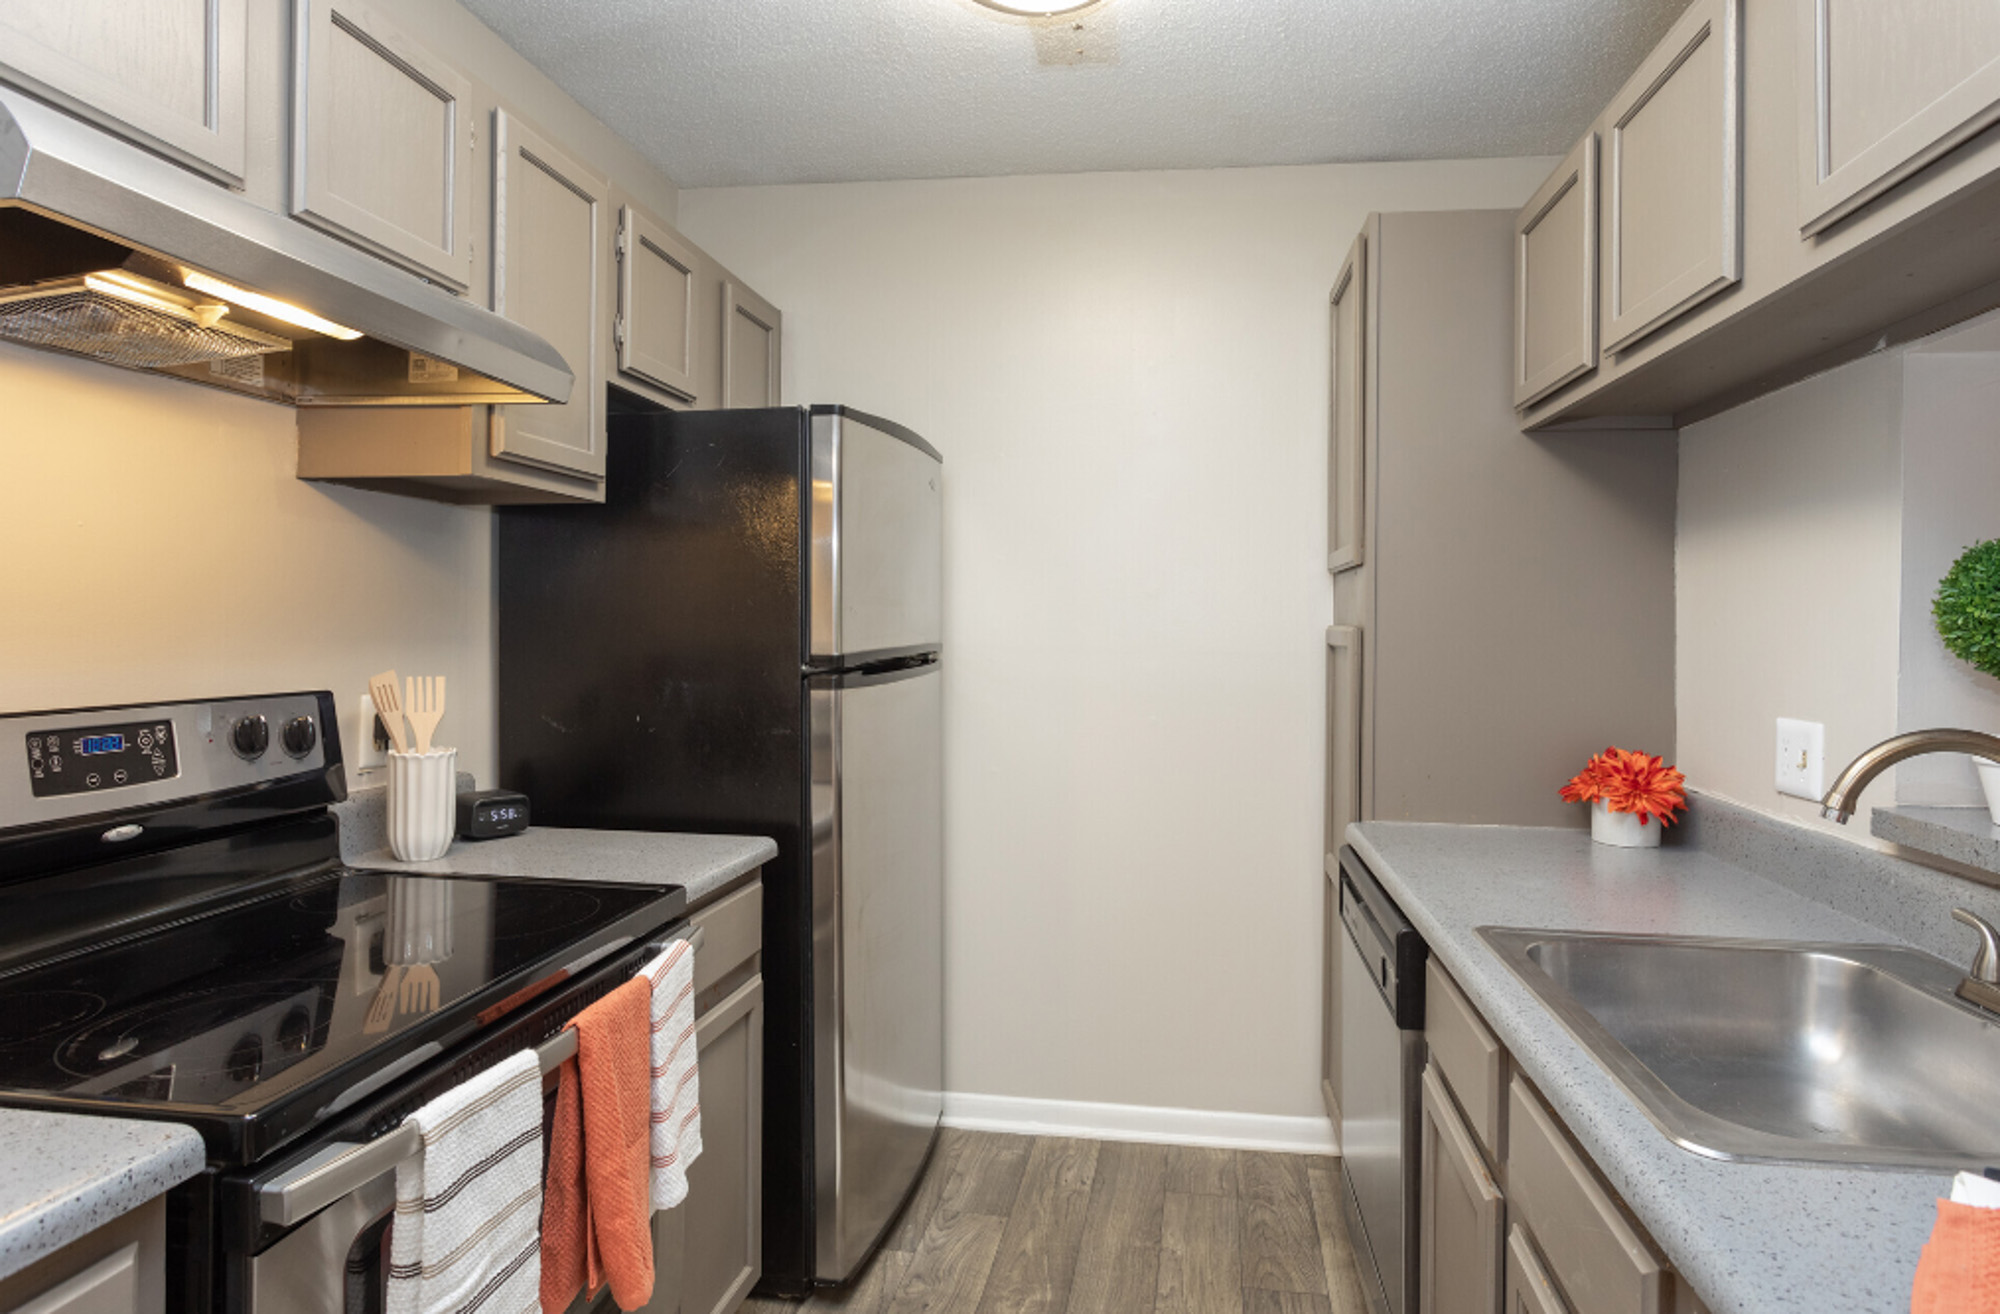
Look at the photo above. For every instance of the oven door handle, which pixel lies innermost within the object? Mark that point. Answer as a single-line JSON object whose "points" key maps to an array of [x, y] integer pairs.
{"points": [[346, 1166]]}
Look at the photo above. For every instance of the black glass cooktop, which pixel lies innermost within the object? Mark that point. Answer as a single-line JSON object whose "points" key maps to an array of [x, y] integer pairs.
{"points": [[250, 1021]]}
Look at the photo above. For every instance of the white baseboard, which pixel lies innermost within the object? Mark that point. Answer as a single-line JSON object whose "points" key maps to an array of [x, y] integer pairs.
{"points": [[1139, 1122]]}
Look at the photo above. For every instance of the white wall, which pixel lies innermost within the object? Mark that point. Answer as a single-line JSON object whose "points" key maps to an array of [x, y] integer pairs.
{"points": [[1127, 376], [1788, 582], [158, 546]]}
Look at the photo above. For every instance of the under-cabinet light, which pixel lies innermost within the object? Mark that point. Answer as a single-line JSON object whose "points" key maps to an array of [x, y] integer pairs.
{"points": [[271, 306], [1038, 8]]}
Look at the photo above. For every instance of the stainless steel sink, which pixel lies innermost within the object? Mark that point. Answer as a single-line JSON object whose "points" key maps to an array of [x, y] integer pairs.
{"points": [[1754, 1049]]}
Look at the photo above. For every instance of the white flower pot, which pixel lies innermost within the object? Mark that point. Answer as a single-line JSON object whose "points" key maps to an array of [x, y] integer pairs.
{"points": [[1989, 780], [1622, 829]]}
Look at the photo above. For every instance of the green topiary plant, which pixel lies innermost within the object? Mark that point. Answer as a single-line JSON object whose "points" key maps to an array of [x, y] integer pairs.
{"points": [[1967, 607]]}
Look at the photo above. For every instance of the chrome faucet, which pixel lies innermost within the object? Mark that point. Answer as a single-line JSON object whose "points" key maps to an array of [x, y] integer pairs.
{"points": [[1838, 805], [1981, 985]]}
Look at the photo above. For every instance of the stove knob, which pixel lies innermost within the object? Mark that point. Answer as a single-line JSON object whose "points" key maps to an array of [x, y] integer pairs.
{"points": [[299, 736], [250, 737]]}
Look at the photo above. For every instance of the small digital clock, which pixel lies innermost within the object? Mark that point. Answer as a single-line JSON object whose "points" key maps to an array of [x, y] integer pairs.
{"points": [[491, 813]]}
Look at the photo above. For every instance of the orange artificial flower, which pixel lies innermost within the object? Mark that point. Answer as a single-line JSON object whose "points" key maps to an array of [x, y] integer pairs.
{"points": [[1630, 782]]}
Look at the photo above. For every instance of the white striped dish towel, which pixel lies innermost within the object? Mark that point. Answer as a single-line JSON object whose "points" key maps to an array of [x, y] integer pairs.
{"points": [[467, 1235], [676, 1077]]}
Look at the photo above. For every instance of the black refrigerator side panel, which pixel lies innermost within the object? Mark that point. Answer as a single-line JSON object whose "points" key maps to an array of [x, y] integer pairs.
{"points": [[649, 679]]}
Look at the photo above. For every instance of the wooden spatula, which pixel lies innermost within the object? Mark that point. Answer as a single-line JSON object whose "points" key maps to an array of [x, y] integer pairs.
{"points": [[386, 690], [423, 703]]}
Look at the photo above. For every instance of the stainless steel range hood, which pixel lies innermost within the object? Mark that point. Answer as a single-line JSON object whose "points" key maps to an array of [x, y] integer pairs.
{"points": [[110, 252]]}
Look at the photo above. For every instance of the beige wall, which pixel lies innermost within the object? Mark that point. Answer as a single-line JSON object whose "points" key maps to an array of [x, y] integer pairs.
{"points": [[1789, 582], [1951, 493], [158, 546], [1127, 376]]}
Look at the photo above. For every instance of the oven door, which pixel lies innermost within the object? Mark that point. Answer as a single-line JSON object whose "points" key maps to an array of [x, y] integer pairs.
{"points": [[337, 1261]]}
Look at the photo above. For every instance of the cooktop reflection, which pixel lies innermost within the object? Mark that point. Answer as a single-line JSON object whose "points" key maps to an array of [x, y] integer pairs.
{"points": [[250, 1021]]}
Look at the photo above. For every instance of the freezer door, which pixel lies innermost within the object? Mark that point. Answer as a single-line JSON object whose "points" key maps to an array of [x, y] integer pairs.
{"points": [[876, 586], [878, 950]]}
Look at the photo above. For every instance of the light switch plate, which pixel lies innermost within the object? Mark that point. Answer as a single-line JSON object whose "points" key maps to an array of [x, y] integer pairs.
{"points": [[1801, 759]]}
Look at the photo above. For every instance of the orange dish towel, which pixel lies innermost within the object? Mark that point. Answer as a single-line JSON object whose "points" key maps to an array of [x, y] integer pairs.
{"points": [[565, 1207], [614, 1059], [1959, 1272]]}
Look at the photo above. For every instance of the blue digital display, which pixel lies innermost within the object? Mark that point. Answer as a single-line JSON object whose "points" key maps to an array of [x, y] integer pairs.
{"points": [[93, 744]]}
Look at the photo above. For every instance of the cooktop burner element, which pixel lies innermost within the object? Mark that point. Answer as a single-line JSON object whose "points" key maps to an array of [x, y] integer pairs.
{"points": [[29, 1014]]}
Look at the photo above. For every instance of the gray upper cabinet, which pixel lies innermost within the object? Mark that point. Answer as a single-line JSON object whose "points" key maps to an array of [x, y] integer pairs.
{"points": [[550, 239], [751, 341], [1884, 90], [1346, 440], [382, 140], [169, 73], [658, 280], [1555, 278], [1673, 193]]}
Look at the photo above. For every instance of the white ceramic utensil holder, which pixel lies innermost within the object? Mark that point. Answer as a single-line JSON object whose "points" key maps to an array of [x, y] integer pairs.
{"points": [[423, 789], [1620, 829], [1989, 780]]}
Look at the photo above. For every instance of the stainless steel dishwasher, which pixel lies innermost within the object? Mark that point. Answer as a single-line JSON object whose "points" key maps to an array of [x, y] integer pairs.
{"points": [[1381, 1069]]}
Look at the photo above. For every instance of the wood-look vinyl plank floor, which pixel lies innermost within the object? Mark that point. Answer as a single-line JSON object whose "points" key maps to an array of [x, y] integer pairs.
{"points": [[1051, 1225]]}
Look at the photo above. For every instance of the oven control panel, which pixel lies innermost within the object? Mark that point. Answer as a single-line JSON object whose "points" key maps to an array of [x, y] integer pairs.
{"points": [[58, 765], [90, 757]]}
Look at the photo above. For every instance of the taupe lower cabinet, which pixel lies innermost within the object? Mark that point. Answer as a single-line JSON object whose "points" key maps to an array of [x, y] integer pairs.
{"points": [[382, 139], [752, 330], [169, 73], [1333, 943], [1491, 1168], [120, 1268], [1673, 144], [1886, 88], [551, 237], [725, 1205], [1458, 1257]]}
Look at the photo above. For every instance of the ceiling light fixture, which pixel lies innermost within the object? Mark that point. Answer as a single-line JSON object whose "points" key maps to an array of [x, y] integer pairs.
{"points": [[1038, 8], [276, 309]]}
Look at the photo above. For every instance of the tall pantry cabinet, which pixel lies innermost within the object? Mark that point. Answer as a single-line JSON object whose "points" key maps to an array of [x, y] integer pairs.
{"points": [[1504, 607]]}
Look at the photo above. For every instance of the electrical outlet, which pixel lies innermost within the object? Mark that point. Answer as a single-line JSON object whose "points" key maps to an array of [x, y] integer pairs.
{"points": [[1801, 758], [371, 744]]}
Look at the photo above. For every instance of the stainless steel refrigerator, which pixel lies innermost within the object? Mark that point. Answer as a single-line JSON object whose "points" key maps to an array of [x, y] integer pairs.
{"points": [[744, 638]]}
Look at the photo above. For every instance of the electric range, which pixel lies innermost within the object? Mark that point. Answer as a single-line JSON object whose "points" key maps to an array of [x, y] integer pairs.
{"points": [[184, 943]]}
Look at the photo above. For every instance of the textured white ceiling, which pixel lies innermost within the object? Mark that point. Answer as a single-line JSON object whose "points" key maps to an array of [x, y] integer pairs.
{"points": [[721, 92]]}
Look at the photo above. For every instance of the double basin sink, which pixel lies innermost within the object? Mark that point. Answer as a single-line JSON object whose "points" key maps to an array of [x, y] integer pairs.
{"points": [[1765, 1050]]}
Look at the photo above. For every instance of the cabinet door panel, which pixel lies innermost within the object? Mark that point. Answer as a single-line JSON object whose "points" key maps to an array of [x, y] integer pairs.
{"points": [[1460, 1214], [380, 143], [751, 329], [170, 72], [549, 241], [1529, 1290], [1555, 278], [1884, 90], [1343, 733], [1603, 1264], [1346, 461], [656, 302], [724, 1208], [1672, 179], [1332, 943]]}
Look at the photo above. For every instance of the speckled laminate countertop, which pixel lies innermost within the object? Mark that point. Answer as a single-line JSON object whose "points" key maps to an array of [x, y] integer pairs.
{"points": [[707, 865], [65, 1175], [1751, 1237]]}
